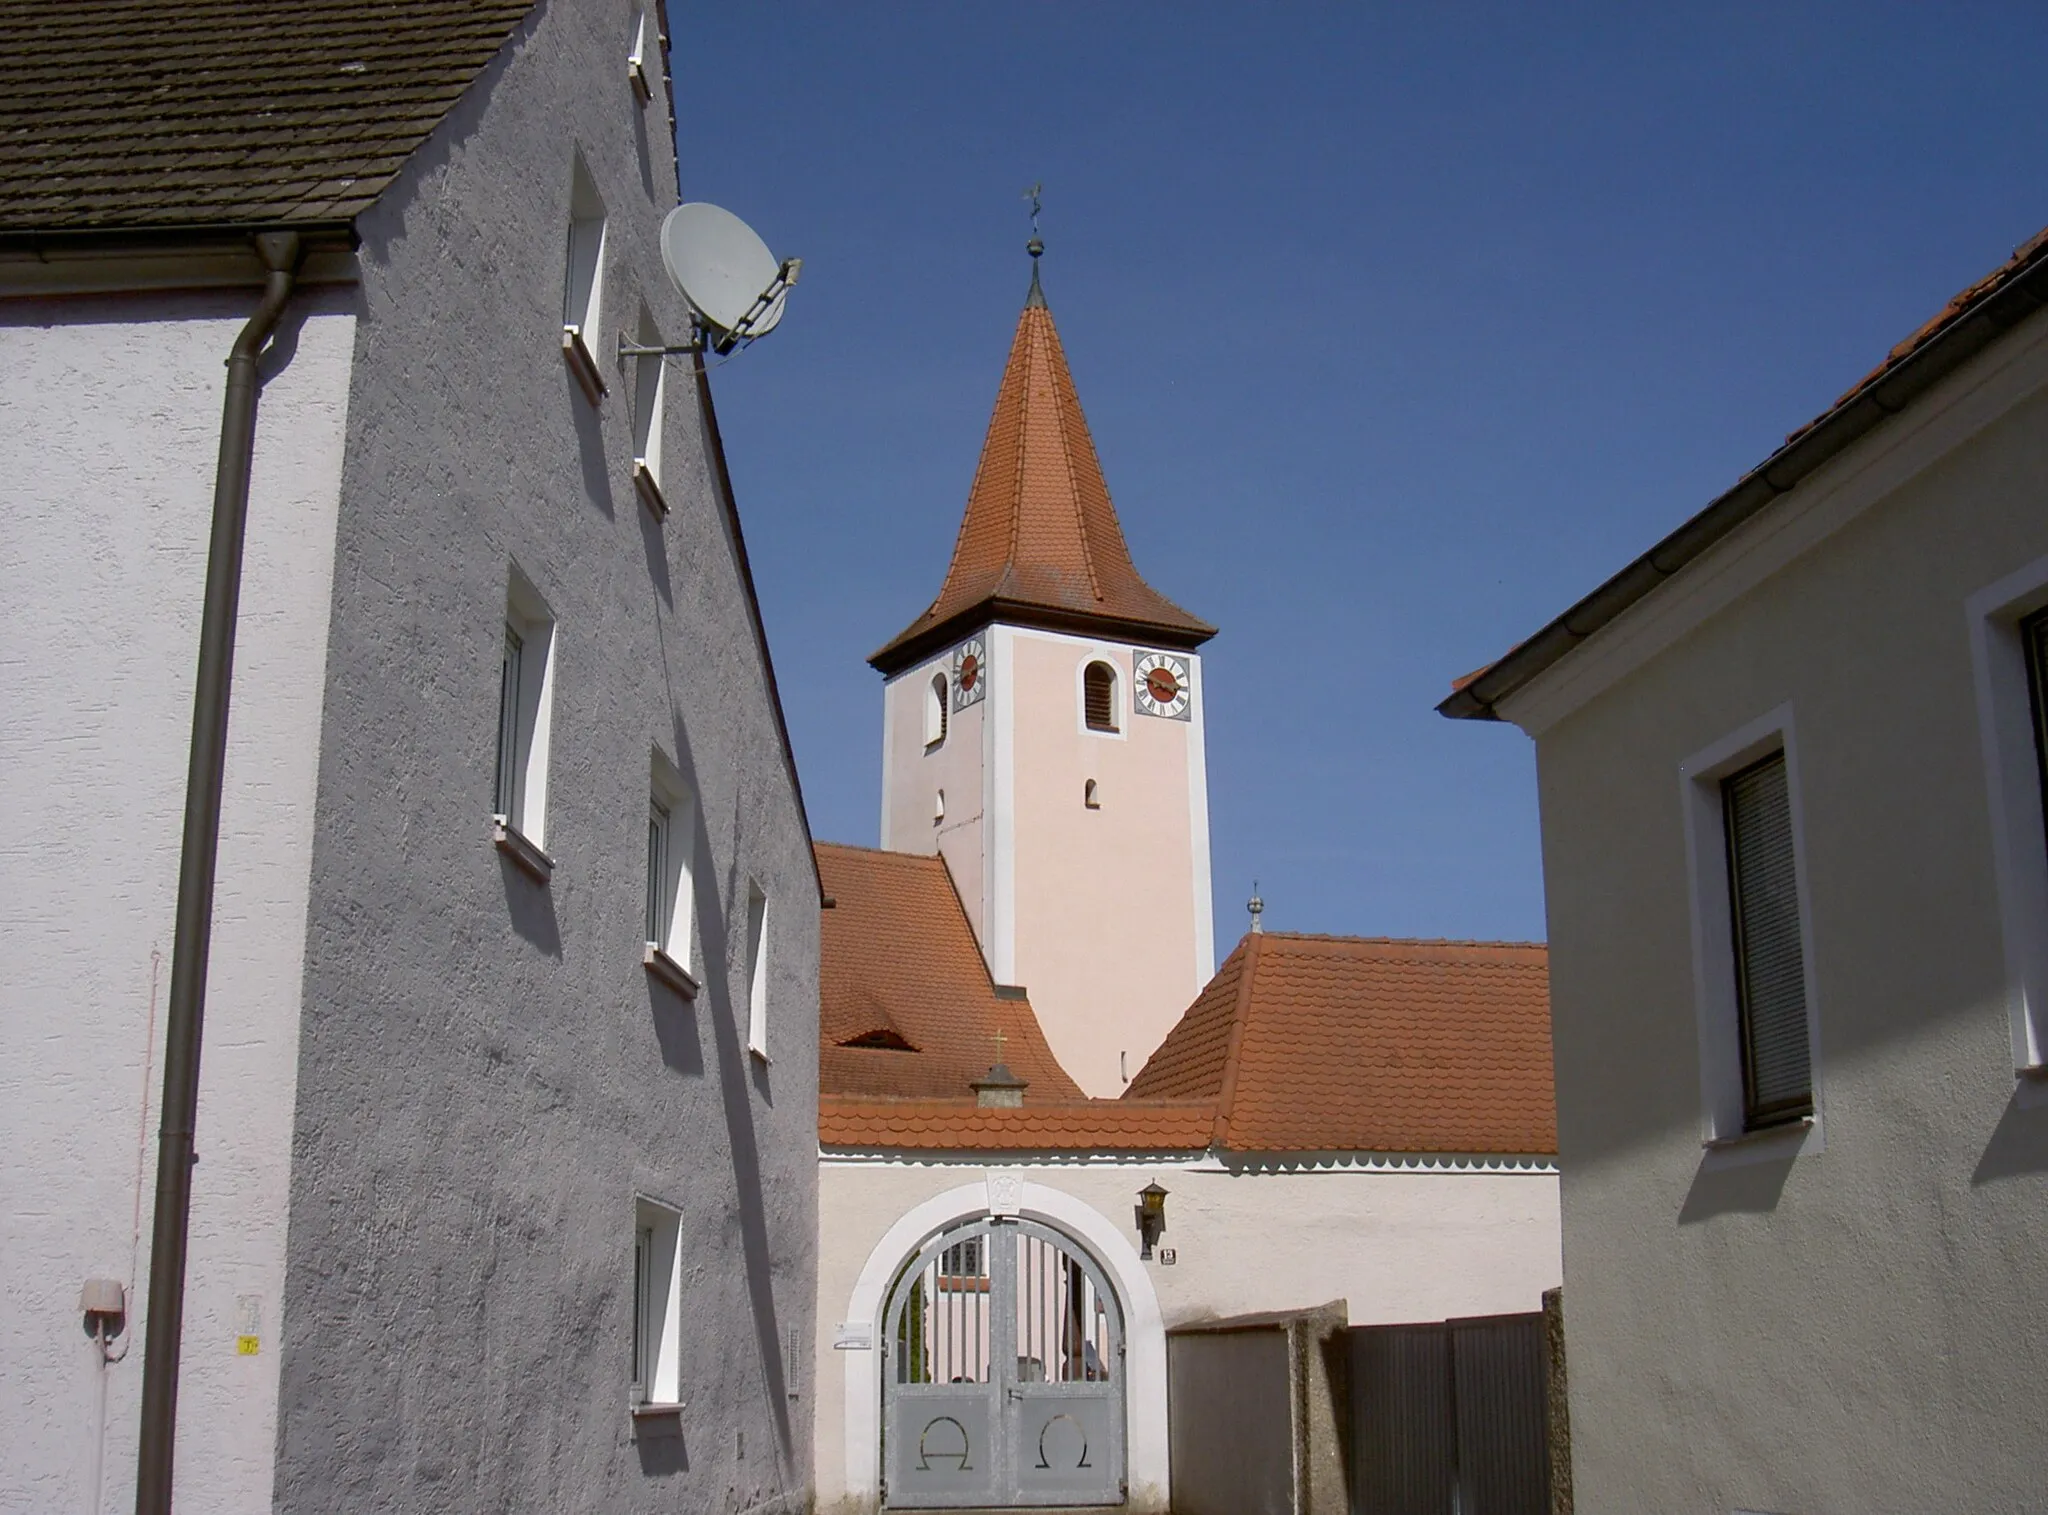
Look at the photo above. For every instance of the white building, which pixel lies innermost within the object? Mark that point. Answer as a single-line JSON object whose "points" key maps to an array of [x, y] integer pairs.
{"points": [[1330, 1119], [1792, 779], [499, 1202]]}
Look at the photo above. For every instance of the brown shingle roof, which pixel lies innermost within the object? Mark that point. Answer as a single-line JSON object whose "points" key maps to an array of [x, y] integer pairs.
{"points": [[898, 956], [1349, 1044], [1971, 321], [1040, 542], [151, 115], [1086, 1125]]}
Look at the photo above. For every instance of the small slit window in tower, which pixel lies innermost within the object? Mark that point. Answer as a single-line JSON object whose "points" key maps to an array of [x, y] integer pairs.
{"points": [[1091, 797], [938, 807], [1098, 696], [935, 715]]}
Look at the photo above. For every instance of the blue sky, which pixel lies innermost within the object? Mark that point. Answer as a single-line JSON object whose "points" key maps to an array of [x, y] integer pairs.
{"points": [[1398, 328]]}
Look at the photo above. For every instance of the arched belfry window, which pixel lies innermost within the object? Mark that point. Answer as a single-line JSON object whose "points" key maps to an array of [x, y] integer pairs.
{"points": [[935, 703], [1098, 696]]}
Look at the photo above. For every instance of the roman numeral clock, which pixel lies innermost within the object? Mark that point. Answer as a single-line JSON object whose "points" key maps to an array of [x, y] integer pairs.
{"points": [[970, 673], [1161, 687]]}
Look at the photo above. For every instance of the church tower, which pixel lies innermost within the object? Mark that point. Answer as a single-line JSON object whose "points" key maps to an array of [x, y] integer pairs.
{"points": [[1042, 731]]}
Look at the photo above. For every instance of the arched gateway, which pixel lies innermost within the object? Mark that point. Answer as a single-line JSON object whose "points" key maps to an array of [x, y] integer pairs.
{"points": [[1003, 1375]]}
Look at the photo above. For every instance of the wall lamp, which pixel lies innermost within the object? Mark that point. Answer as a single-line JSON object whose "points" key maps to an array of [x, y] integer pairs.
{"points": [[1151, 1216]]}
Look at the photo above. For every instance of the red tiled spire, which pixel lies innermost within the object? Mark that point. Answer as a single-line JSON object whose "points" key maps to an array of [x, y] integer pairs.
{"points": [[1040, 543]]}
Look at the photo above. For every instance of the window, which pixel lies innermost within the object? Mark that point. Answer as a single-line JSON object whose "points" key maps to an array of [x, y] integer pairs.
{"points": [[960, 1267], [2034, 641], [650, 391], [1752, 953], [935, 718], [671, 880], [757, 971], [657, 1325], [2008, 624], [643, 55], [525, 680], [1770, 966], [939, 807], [583, 282], [1091, 795], [1098, 696]]}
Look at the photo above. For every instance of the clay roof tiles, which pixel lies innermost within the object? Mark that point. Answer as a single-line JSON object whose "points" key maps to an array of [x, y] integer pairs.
{"points": [[899, 963], [1040, 541], [155, 115], [1350, 1044]]}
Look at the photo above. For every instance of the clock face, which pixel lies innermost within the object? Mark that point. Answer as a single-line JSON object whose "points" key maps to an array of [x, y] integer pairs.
{"points": [[970, 673], [1162, 685]]}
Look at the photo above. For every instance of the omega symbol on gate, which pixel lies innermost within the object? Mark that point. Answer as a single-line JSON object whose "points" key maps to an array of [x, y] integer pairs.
{"points": [[926, 1450]]}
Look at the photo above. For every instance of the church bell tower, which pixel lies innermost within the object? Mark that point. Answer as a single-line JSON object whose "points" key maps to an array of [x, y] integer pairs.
{"points": [[1043, 732]]}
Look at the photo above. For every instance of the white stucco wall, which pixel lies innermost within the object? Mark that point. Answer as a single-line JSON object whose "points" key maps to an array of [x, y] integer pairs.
{"points": [[1856, 1328], [107, 462], [1406, 1245], [914, 772], [1050, 885]]}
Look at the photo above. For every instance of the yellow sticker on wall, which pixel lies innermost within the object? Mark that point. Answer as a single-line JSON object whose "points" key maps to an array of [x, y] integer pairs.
{"points": [[248, 1346]]}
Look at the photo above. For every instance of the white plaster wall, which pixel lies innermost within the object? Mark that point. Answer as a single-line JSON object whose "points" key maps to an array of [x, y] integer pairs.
{"points": [[106, 483], [1861, 1328], [1399, 1246], [912, 774], [1106, 903]]}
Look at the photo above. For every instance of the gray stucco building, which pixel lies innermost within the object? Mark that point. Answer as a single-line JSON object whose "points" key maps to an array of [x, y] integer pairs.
{"points": [[508, 1106]]}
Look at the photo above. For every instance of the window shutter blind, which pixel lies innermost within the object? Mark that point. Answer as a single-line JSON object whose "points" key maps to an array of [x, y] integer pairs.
{"points": [[1099, 687], [1770, 968]]}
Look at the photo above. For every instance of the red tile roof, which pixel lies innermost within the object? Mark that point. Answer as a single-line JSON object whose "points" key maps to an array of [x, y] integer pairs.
{"points": [[1349, 1044], [900, 966], [1040, 542], [1971, 321], [1081, 1125]]}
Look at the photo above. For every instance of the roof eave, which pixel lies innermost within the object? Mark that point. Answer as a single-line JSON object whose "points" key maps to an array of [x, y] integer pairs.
{"points": [[913, 645], [1805, 452]]}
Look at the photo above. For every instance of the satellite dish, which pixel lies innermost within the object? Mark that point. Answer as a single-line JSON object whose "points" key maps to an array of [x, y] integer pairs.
{"points": [[733, 283]]}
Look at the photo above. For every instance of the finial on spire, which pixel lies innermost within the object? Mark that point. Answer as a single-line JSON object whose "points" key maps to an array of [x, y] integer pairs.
{"points": [[1257, 907], [1036, 247]]}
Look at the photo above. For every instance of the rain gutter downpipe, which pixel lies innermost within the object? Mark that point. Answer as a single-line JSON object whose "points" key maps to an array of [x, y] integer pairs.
{"points": [[194, 933]]}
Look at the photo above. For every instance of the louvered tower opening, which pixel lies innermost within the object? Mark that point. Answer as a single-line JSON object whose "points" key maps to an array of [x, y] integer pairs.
{"points": [[1098, 687]]}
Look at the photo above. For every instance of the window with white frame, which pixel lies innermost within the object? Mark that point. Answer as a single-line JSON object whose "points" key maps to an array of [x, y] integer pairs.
{"points": [[656, 1383], [757, 971], [650, 392], [525, 687], [671, 881], [2008, 624], [936, 717], [1752, 949], [583, 280], [643, 53]]}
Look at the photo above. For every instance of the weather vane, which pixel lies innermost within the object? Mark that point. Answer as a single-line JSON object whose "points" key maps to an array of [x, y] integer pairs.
{"points": [[1032, 195]]}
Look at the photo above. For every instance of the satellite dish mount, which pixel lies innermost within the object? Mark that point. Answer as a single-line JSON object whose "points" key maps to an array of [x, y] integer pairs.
{"points": [[735, 287]]}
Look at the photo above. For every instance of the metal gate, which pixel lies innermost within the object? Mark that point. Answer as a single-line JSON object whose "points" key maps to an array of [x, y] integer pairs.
{"points": [[1002, 1373]]}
